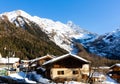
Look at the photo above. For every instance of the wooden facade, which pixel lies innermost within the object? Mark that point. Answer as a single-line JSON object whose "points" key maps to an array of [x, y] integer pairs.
{"points": [[115, 72], [67, 67], [39, 61]]}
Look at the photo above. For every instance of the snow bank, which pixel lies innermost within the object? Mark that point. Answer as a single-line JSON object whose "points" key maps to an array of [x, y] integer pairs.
{"points": [[31, 77], [37, 77], [74, 82], [19, 75], [109, 81], [29, 81]]}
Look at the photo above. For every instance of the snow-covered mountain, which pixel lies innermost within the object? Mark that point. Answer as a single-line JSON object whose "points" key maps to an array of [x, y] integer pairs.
{"points": [[63, 35], [107, 45]]}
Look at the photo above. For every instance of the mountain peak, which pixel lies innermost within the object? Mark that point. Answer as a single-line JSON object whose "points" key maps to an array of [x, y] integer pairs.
{"points": [[17, 12], [20, 12], [13, 14]]}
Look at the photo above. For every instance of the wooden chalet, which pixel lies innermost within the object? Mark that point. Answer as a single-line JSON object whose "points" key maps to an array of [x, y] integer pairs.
{"points": [[39, 61], [115, 71], [67, 67]]}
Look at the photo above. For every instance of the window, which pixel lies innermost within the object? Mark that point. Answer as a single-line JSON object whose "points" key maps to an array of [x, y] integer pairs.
{"points": [[75, 72], [60, 72]]}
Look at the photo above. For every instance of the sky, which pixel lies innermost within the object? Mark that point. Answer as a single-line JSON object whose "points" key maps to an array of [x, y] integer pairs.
{"points": [[98, 16]]}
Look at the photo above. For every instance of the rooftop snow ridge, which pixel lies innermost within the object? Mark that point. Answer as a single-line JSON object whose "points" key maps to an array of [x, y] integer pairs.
{"points": [[64, 56]]}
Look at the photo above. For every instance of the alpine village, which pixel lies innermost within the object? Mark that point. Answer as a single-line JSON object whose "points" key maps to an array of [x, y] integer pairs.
{"points": [[40, 50]]}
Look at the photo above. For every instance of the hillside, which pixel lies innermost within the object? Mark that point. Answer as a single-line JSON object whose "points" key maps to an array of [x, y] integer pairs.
{"points": [[27, 43]]}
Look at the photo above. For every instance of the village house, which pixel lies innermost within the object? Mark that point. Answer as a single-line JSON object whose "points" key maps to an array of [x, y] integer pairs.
{"points": [[24, 65], [98, 74], [115, 72], [37, 62], [97, 77], [104, 69], [8, 62], [67, 67]]}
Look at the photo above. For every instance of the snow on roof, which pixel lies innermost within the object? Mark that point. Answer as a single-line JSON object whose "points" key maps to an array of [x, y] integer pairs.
{"points": [[36, 59], [104, 67], [25, 60], [117, 64], [97, 74], [64, 56]]}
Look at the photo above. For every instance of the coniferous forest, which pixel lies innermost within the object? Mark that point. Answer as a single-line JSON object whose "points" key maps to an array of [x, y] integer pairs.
{"points": [[27, 43]]}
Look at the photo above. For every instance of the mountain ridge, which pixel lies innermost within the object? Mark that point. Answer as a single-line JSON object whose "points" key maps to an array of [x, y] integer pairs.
{"points": [[58, 32], [64, 35], [107, 45]]}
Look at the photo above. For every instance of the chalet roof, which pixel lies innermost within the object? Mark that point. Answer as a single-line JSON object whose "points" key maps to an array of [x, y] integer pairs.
{"points": [[97, 74], [64, 56], [25, 60], [117, 64], [104, 67], [36, 59]]}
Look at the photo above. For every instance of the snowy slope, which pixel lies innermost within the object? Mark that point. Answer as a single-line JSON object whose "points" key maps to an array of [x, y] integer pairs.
{"points": [[62, 34], [107, 45]]}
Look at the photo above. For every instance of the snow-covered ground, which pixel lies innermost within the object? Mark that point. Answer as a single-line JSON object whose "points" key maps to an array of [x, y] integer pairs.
{"points": [[33, 77]]}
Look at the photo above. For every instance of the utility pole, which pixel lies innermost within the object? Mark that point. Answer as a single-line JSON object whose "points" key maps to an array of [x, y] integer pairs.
{"points": [[5, 53], [8, 59], [9, 52]]}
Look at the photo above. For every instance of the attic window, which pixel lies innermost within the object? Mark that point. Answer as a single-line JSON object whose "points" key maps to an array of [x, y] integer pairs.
{"points": [[75, 72], [60, 72]]}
